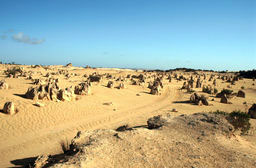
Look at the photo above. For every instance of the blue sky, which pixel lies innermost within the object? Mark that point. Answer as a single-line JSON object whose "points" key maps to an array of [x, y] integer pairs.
{"points": [[149, 34]]}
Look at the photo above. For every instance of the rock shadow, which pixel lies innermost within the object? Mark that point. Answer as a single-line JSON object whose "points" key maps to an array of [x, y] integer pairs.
{"points": [[185, 101], [21, 95]]}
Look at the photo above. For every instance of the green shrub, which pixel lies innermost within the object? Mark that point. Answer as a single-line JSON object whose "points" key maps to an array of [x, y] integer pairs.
{"points": [[240, 120], [218, 112]]}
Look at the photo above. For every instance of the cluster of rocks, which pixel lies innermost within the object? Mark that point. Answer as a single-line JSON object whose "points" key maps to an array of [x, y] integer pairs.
{"points": [[62, 72], [17, 72], [120, 78], [198, 99], [83, 88], [231, 79], [226, 94], [14, 72], [51, 91], [47, 91], [209, 89], [138, 80], [43, 82], [140, 77], [94, 78], [156, 86], [111, 85], [135, 82]]}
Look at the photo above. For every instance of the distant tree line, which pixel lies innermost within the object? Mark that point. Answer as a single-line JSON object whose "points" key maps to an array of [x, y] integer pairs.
{"points": [[248, 74], [188, 70], [245, 74], [179, 69], [9, 63]]}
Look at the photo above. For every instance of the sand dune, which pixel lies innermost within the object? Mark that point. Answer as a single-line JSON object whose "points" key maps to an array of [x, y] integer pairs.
{"points": [[36, 130]]}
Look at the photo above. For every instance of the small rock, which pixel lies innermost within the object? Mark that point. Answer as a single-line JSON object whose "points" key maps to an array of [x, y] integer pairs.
{"points": [[110, 84], [39, 104], [121, 86], [31, 93], [3, 85], [78, 97], [9, 108], [252, 111], [224, 99], [108, 104], [241, 94]]}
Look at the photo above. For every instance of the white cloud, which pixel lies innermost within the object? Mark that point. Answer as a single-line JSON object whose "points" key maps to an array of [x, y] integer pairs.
{"points": [[21, 37]]}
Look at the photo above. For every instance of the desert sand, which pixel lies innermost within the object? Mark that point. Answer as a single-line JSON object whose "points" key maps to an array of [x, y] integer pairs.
{"points": [[41, 129]]}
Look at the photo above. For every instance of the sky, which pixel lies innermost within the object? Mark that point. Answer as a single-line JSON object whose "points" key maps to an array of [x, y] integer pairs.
{"points": [[143, 34]]}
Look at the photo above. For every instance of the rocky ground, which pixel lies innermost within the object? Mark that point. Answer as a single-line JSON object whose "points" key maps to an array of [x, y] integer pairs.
{"points": [[197, 140]]}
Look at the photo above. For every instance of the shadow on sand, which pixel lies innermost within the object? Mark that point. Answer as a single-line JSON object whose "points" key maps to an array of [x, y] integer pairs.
{"points": [[25, 163], [30, 161], [145, 92], [186, 102], [21, 95]]}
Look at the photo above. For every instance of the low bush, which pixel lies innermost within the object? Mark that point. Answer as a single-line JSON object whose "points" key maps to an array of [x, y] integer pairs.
{"points": [[239, 120], [220, 112]]}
